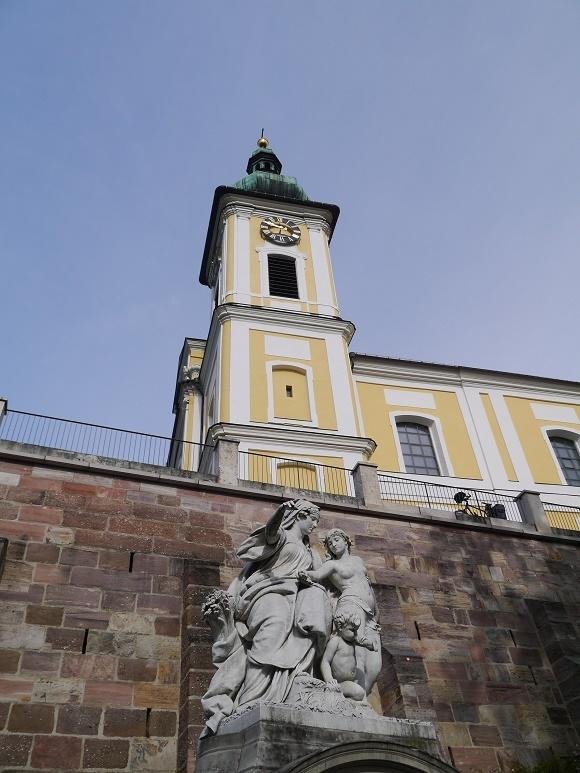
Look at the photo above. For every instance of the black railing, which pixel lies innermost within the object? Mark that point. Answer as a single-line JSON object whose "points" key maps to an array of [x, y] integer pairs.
{"points": [[80, 437], [564, 519], [296, 473], [420, 493]]}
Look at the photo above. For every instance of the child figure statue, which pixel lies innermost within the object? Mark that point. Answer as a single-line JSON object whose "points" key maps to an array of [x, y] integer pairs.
{"points": [[338, 665], [347, 575]]}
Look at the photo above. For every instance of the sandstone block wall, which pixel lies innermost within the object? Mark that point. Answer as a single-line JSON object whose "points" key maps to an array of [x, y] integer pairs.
{"points": [[103, 655]]}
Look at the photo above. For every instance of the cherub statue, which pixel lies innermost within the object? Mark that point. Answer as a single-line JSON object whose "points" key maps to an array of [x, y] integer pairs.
{"points": [[338, 665]]}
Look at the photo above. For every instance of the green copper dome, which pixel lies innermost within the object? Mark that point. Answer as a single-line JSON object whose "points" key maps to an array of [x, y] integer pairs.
{"points": [[264, 175]]}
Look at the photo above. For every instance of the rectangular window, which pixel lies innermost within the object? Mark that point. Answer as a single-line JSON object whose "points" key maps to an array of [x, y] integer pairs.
{"points": [[282, 276], [288, 390]]}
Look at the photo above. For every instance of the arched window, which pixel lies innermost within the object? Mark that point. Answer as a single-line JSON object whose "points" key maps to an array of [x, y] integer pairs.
{"points": [[566, 451], [417, 448]]}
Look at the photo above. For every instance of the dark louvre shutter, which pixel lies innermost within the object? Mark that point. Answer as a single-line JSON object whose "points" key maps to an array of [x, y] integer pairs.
{"points": [[282, 276]]}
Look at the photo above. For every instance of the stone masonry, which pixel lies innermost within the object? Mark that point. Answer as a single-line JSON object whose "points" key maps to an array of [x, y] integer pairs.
{"points": [[104, 655]]}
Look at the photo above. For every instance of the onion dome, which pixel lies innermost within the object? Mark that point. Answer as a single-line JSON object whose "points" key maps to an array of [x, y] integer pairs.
{"points": [[264, 175]]}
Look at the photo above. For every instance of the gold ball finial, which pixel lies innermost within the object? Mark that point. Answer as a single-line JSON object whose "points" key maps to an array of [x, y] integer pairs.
{"points": [[262, 142]]}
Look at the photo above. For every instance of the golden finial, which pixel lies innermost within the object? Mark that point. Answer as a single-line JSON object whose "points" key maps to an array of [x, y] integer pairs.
{"points": [[262, 142]]}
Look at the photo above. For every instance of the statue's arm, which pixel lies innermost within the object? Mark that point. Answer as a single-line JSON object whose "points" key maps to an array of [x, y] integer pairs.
{"points": [[273, 525], [322, 573]]}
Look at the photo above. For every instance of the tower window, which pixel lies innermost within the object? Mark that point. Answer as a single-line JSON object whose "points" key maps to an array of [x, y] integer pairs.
{"points": [[282, 276], [290, 393], [568, 458], [417, 447]]}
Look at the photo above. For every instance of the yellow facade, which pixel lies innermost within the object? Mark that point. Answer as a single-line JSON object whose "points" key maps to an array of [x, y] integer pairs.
{"points": [[262, 367], [290, 388], [281, 364], [533, 440], [499, 437], [377, 412], [309, 472]]}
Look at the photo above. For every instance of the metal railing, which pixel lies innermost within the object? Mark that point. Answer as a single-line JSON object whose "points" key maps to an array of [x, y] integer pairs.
{"points": [[420, 493], [564, 519], [80, 437], [296, 473]]}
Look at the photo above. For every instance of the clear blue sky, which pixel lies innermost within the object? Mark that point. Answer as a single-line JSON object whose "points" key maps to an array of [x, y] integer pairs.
{"points": [[448, 133]]}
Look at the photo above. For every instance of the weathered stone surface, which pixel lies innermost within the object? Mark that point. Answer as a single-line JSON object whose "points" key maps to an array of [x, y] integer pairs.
{"points": [[14, 749], [48, 690], [108, 694], [60, 752], [105, 754], [132, 622], [78, 720], [23, 637], [31, 718], [480, 630], [154, 754], [268, 737], [59, 535], [162, 723], [9, 660], [125, 723]]}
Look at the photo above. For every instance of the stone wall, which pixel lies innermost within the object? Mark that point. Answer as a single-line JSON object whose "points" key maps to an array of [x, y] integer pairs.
{"points": [[104, 655]]}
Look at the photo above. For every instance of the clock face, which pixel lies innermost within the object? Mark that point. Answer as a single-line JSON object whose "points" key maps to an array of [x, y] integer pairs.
{"points": [[280, 230]]}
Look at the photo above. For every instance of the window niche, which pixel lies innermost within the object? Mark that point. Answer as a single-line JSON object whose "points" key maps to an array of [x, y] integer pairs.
{"points": [[290, 393]]}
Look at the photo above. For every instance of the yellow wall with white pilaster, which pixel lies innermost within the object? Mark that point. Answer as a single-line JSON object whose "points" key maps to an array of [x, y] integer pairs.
{"points": [[532, 437], [376, 415], [319, 404]]}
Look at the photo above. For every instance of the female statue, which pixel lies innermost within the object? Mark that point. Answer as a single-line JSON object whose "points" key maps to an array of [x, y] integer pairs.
{"points": [[280, 625]]}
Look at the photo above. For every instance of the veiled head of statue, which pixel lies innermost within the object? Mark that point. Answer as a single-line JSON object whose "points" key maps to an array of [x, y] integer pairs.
{"points": [[299, 509]]}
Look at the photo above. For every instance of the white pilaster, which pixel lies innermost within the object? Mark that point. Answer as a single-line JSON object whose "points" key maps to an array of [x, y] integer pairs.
{"points": [[241, 288], [512, 440], [322, 270]]}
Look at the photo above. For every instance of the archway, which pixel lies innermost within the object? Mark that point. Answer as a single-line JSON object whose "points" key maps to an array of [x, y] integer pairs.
{"points": [[369, 757]]}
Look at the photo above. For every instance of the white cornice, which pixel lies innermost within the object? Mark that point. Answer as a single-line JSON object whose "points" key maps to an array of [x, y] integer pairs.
{"points": [[259, 207], [287, 436], [467, 377], [305, 323]]}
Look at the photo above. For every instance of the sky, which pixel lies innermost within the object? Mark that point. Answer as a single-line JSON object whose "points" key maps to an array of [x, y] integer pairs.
{"points": [[448, 133]]}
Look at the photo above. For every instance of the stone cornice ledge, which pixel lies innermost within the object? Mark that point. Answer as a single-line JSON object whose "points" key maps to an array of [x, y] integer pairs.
{"points": [[278, 434], [458, 375]]}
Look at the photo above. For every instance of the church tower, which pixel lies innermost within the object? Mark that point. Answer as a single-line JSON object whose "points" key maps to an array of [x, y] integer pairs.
{"points": [[274, 373]]}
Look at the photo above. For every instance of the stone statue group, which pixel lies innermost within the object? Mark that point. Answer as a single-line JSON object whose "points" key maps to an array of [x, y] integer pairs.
{"points": [[290, 628]]}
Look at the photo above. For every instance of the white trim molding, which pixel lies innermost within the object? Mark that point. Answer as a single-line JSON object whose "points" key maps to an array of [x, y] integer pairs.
{"points": [[300, 263]]}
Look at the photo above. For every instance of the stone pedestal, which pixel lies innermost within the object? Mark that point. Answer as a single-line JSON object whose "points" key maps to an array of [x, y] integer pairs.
{"points": [[288, 739]]}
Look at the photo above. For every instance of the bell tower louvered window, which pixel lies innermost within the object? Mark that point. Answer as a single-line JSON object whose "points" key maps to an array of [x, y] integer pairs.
{"points": [[282, 279]]}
